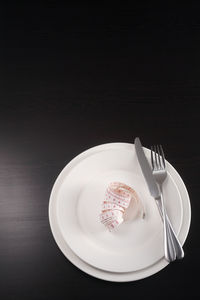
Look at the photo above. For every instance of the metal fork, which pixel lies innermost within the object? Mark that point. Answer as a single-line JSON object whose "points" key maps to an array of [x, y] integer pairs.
{"points": [[173, 248]]}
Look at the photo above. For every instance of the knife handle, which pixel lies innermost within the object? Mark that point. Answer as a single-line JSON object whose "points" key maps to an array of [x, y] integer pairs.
{"points": [[177, 244], [170, 253]]}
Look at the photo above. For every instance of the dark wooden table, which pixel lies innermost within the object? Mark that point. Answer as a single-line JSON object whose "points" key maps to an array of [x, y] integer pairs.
{"points": [[73, 77]]}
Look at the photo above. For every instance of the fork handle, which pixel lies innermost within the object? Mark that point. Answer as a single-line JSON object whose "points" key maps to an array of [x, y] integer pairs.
{"points": [[170, 253], [177, 245]]}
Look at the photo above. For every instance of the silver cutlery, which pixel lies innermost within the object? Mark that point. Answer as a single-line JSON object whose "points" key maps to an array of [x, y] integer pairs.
{"points": [[160, 174], [170, 254]]}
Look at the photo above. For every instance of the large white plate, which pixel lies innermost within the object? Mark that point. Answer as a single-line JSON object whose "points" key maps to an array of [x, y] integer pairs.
{"points": [[136, 249], [136, 244]]}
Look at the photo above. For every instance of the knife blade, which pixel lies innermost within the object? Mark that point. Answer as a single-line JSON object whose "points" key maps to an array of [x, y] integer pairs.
{"points": [[146, 170]]}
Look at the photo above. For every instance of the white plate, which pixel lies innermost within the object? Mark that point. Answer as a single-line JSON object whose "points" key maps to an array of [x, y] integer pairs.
{"points": [[136, 244], [136, 249]]}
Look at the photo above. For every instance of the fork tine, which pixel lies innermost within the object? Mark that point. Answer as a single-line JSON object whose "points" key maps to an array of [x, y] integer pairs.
{"points": [[162, 155], [152, 160], [155, 157], [158, 151]]}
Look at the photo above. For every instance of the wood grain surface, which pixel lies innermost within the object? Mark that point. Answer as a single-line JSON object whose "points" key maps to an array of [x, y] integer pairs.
{"points": [[75, 76]]}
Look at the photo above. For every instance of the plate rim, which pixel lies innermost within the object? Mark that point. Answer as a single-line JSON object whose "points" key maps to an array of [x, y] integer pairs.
{"points": [[77, 261]]}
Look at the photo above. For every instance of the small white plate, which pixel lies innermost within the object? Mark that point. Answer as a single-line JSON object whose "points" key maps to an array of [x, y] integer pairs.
{"points": [[136, 248]]}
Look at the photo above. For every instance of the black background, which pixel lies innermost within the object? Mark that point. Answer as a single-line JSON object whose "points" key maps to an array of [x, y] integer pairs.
{"points": [[75, 76]]}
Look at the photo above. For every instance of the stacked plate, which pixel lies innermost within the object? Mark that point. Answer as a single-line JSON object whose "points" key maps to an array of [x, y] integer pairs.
{"points": [[135, 250]]}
